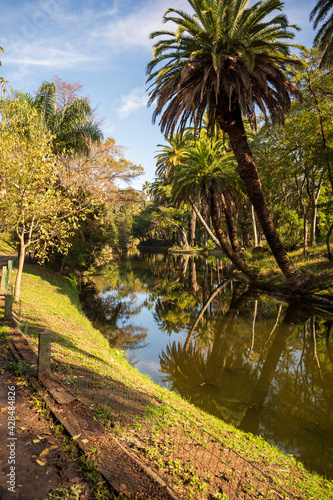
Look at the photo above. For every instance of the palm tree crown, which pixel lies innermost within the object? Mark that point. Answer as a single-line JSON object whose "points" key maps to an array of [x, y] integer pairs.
{"points": [[324, 37], [202, 165], [72, 125], [225, 51]]}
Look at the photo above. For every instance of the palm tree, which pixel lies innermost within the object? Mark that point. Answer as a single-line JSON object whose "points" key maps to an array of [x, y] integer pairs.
{"points": [[324, 37], [168, 157], [170, 154], [224, 60], [72, 125]]}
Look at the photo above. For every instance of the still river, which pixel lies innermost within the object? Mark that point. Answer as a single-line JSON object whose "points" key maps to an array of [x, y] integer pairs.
{"points": [[258, 362]]}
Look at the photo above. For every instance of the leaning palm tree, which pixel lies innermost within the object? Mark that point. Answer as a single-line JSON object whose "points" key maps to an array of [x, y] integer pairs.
{"points": [[324, 37], [226, 60]]}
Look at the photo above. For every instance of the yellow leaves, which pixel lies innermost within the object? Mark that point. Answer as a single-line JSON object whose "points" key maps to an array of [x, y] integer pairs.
{"points": [[41, 462], [76, 437], [44, 453]]}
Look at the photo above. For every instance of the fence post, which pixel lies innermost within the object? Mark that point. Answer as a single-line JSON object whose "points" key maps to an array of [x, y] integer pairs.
{"points": [[44, 354], [8, 306], [3, 279]]}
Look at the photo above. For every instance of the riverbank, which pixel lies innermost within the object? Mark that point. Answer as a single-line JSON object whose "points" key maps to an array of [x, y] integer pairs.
{"points": [[57, 307], [316, 269]]}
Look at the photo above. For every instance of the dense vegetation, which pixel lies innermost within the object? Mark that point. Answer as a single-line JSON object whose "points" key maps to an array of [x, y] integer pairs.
{"points": [[247, 164]]}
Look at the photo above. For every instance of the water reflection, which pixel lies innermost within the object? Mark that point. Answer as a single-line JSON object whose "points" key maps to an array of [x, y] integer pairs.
{"points": [[263, 364]]}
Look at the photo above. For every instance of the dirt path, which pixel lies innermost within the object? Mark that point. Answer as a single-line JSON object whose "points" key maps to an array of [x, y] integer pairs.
{"points": [[24, 434]]}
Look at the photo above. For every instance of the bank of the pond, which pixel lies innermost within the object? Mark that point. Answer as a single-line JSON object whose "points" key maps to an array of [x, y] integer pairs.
{"points": [[52, 302]]}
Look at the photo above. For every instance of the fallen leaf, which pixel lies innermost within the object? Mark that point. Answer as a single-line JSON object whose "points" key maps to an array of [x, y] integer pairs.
{"points": [[75, 479], [41, 463], [17, 419], [34, 456], [54, 447], [22, 428], [44, 453], [3, 409], [76, 437], [36, 441], [84, 441]]}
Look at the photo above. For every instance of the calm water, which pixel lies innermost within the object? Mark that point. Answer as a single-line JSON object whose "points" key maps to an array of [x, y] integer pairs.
{"points": [[260, 363]]}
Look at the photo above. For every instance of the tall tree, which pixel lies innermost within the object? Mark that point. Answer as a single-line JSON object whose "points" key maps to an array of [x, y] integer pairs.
{"points": [[224, 60]]}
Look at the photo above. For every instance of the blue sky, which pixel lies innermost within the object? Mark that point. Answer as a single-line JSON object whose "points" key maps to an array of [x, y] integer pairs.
{"points": [[105, 46]]}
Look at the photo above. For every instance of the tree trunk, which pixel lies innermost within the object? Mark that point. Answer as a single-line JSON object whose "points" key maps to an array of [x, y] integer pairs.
{"points": [[229, 219], [305, 233], [193, 221], [19, 270], [313, 226], [254, 226], [235, 258], [230, 119], [204, 205], [221, 240]]}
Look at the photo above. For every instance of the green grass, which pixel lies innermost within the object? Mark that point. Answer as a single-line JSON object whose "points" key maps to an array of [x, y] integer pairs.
{"points": [[6, 246], [50, 301]]}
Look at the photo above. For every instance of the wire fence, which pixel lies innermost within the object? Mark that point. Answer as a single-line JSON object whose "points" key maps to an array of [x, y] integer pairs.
{"points": [[194, 462]]}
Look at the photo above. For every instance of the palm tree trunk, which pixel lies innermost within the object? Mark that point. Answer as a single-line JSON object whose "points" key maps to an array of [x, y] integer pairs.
{"points": [[235, 258], [193, 220], [229, 219], [230, 119]]}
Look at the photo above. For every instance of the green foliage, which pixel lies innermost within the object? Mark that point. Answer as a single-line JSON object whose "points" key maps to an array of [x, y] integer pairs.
{"points": [[289, 227]]}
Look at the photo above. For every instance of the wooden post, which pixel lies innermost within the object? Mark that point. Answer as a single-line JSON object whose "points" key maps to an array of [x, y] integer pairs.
{"points": [[3, 279], [44, 354], [8, 306]]}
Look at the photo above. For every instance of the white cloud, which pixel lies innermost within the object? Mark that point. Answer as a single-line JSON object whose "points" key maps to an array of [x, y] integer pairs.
{"points": [[50, 34], [51, 57], [132, 31], [131, 102]]}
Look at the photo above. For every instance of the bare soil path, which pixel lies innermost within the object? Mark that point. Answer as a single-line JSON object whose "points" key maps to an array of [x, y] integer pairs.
{"points": [[23, 439]]}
